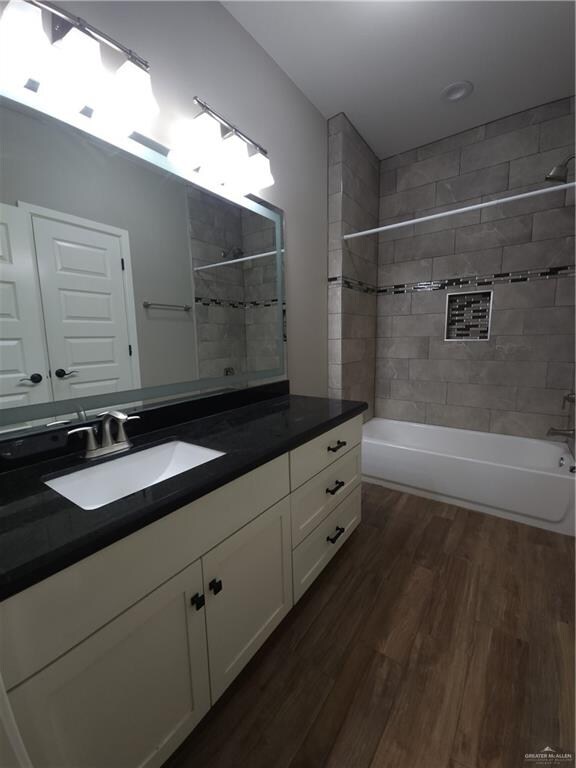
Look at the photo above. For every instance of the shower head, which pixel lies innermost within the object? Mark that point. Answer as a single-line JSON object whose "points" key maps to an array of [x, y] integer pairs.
{"points": [[560, 172]]}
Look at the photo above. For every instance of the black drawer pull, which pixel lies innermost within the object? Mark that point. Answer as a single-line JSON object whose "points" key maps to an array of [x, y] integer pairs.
{"points": [[334, 539], [198, 601], [337, 485], [215, 586], [339, 444]]}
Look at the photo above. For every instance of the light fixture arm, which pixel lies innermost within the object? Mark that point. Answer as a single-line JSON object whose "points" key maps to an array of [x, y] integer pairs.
{"points": [[89, 29], [230, 126]]}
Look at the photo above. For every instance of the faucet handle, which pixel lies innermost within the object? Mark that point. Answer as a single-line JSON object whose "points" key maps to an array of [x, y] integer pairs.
{"points": [[91, 444], [569, 398], [122, 438]]}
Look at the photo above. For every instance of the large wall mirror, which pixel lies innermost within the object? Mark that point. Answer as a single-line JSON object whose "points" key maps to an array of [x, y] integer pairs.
{"points": [[122, 283]]}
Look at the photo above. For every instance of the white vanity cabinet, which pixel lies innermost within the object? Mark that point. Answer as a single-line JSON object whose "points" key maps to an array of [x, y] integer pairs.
{"points": [[129, 694], [111, 663]]}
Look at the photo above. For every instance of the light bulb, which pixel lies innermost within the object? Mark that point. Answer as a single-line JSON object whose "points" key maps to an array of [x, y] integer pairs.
{"points": [[78, 78], [129, 105], [195, 142], [228, 165], [25, 51], [258, 173]]}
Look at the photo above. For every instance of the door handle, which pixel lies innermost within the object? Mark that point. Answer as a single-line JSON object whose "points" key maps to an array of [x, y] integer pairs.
{"points": [[339, 444], [62, 374], [34, 378], [198, 601], [336, 487], [215, 586], [334, 539]]}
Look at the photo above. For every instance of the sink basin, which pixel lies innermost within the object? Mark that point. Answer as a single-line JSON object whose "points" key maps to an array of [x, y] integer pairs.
{"points": [[96, 486]]}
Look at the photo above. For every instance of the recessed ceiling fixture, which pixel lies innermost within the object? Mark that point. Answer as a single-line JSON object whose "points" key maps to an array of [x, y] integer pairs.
{"points": [[458, 90]]}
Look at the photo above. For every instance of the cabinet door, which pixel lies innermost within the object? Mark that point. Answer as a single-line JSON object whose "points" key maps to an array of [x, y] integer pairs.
{"points": [[129, 694], [247, 582]]}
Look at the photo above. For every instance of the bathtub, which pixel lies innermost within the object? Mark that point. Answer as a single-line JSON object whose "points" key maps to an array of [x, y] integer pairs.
{"points": [[513, 477]]}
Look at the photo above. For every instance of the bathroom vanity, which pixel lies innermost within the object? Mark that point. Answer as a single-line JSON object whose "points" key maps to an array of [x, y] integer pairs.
{"points": [[122, 625]]}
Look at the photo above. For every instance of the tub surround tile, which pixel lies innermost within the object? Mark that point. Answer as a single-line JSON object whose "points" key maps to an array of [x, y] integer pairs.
{"points": [[484, 262], [458, 416], [565, 292], [548, 320], [499, 149], [411, 348], [503, 373], [401, 410], [392, 368], [558, 222], [533, 169], [540, 114], [536, 400], [525, 424], [418, 391], [546, 253], [557, 133], [424, 246], [418, 325], [560, 376], [440, 370], [482, 396], [494, 234], [555, 348], [462, 189], [424, 171]]}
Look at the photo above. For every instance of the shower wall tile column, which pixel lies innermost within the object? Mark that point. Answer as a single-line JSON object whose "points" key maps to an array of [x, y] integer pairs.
{"points": [[515, 382], [352, 206]]}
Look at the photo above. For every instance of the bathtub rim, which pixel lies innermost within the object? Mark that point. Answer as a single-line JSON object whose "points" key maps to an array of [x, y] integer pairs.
{"points": [[557, 472]]}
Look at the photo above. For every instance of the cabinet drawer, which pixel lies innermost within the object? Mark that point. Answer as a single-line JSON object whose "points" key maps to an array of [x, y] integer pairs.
{"points": [[316, 551], [314, 500], [312, 457], [46, 620]]}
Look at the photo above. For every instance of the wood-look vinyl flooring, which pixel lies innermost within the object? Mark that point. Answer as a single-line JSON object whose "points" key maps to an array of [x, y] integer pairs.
{"points": [[438, 637]]}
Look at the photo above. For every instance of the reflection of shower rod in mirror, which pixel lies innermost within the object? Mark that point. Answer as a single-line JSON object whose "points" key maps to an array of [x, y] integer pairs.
{"points": [[236, 260]]}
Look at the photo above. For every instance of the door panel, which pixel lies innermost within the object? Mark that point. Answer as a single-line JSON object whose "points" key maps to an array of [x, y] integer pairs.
{"points": [[254, 568], [85, 307], [129, 694], [22, 339]]}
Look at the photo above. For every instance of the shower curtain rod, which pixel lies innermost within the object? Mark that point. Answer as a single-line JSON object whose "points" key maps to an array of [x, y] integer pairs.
{"points": [[455, 211]]}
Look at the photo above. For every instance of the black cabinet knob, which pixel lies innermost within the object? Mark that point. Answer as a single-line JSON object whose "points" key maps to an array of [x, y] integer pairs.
{"points": [[336, 487], [215, 586], [339, 444], [62, 374], [198, 601], [334, 539], [35, 378]]}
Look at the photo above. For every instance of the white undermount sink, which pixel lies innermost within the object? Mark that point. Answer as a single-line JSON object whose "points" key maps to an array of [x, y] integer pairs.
{"points": [[96, 486]]}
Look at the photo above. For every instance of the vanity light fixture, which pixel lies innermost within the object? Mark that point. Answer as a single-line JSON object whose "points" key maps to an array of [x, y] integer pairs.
{"points": [[65, 77]]}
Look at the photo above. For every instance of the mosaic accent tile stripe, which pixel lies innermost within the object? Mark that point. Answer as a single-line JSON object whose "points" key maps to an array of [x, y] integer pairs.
{"points": [[208, 302], [472, 281]]}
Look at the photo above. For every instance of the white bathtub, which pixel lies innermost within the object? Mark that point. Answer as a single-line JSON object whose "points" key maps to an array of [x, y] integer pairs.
{"points": [[513, 477]]}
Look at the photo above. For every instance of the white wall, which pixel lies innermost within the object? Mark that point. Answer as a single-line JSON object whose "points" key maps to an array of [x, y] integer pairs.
{"points": [[199, 49]]}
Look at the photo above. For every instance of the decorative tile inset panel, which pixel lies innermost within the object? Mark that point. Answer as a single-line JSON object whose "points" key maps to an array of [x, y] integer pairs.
{"points": [[468, 316]]}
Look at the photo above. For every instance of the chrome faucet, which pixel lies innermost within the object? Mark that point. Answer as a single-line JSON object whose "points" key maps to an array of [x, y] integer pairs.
{"points": [[107, 443]]}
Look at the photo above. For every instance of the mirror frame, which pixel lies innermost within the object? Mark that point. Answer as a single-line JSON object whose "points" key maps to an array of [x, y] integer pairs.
{"points": [[18, 416]]}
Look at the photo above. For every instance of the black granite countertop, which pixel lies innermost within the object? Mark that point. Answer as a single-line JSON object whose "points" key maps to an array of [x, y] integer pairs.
{"points": [[41, 532]]}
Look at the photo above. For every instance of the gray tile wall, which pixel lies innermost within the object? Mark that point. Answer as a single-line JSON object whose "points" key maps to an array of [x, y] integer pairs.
{"points": [[352, 205], [513, 383]]}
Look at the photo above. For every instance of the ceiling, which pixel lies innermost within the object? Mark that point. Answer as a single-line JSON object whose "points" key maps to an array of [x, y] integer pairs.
{"points": [[385, 63]]}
